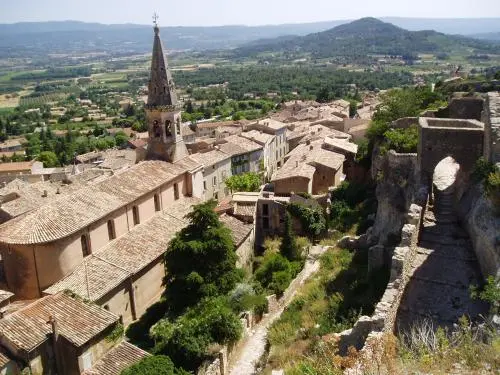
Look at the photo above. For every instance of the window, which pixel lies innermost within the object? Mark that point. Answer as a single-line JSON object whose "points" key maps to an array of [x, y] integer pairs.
{"points": [[216, 196], [265, 222], [157, 202], [111, 230], [135, 214], [215, 181], [168, 129], [84, 239], [204, 184], [277, 154], [178, 127], [265, 209], [176, 191], [156, 129]]}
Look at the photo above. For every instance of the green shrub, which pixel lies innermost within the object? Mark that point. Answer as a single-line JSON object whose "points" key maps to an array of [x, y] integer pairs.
{"points": [[312, 218], [482, 169], [154, 365], [274, 272], [187, 339], [492, 187], [402, 140]]}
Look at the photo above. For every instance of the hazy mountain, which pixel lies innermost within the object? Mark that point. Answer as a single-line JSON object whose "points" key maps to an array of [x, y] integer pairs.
{"points": [[31, 39], [488, 36], [368, 36]]}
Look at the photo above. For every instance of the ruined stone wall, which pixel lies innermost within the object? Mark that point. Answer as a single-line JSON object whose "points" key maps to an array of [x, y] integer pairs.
{"points": [[466, 108], [383, 319], [396, 176], [463, 140], [491, 119], [482, 223]]}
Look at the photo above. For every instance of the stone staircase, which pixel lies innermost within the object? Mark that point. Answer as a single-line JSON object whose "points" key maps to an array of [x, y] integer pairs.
{"points": [[443, 269]]}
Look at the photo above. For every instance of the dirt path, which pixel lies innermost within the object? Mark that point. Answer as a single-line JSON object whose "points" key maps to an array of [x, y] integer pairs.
{"points": [[254, 347]]}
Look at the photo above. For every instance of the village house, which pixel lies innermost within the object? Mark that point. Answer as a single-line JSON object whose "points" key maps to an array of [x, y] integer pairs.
{"points": [[279, 130], [246, 155], [349, 150], [216, 169], [268, 142], [58, 334], [11, 145], [310, 168]]}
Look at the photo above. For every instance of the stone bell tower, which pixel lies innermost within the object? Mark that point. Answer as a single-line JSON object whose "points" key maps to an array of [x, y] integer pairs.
{"points": [[163, 113]]}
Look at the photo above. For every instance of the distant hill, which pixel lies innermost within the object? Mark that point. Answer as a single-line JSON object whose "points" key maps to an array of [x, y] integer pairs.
{"points": [[488, 36], [368, 36], [32, 39]]}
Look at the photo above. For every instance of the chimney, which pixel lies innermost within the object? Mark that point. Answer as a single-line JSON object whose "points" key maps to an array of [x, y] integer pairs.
{"points": [[296, 164], [44, 194], [311, 147], [308, 142], [58, 191]]}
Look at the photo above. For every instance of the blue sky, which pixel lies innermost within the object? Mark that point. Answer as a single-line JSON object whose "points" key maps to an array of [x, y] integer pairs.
{"points": [[249, 12]]}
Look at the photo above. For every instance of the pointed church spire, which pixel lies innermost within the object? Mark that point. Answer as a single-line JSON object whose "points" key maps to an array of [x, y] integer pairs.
{"points": [[161, 86]]}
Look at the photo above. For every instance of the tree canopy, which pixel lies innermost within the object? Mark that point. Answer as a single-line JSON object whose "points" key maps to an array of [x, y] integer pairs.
{"points": [[154, 365], [244, 182], [200, 260]]}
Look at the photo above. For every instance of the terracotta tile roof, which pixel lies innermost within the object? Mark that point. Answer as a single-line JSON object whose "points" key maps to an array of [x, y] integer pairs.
{"points": [[341, 145], [77, 321], [19, 197], [271, 124], [259, 137], [68, 214], [214, 125], [237, 145], [117, 359], [239, 229], [302, 160], [92, 279], [210, 158], [109, 267], [247, 210], [16, 167], [83, 158]]}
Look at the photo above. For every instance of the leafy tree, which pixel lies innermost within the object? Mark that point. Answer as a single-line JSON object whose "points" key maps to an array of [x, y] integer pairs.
{"points": [[312, 218], [288, 247], [244, 182], [401, 140], [200, 259], [49, 159], [187, 339], [275, 273], [154, 365]]}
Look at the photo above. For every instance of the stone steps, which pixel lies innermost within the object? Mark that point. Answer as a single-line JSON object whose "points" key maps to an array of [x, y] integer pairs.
{"points": [[443, 269]]}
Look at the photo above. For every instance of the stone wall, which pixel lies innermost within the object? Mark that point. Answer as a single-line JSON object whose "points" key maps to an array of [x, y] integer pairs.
{"points": [[396, 175], [477, 215], [491, 119], [383, 319], [439, 138]]}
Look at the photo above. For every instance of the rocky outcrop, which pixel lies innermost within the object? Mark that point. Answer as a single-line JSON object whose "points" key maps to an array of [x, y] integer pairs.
{"points": [[482, 223]]}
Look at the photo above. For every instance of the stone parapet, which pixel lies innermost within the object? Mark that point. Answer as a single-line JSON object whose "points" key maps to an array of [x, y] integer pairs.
{"points": [[491, 119], [384, 317]]}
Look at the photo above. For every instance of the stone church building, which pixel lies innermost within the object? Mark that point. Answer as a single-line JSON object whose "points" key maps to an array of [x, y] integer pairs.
{"points": [[105, 241]]}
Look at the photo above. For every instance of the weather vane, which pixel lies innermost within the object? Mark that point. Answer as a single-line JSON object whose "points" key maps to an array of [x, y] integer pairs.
{"points": [[155, 18]]}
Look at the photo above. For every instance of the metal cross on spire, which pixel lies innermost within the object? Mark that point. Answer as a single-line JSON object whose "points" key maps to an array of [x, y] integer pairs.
{"points": [[155, 18]]}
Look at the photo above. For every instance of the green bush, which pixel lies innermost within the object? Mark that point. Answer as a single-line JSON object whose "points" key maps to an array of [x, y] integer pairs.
{"points": [[312, 218], [275, 273], [401, 140], [187, 339], [244, 182], [154, 365]]}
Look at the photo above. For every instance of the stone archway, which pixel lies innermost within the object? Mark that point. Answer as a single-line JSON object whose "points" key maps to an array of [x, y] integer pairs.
{"points": [[440, 138]]}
